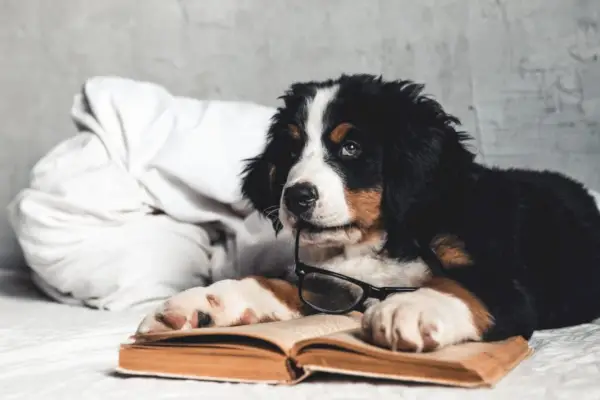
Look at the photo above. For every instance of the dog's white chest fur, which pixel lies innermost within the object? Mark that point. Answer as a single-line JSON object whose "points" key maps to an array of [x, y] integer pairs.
{"points": [[365, 263]]}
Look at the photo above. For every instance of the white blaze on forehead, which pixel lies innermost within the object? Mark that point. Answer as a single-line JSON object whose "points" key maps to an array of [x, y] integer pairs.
{"points": [[331, 208], [313, 153], [315, 115]]}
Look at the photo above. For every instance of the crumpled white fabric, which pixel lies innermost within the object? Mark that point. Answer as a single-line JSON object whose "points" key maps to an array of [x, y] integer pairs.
{"points": [[596, 196], [85, 221]]}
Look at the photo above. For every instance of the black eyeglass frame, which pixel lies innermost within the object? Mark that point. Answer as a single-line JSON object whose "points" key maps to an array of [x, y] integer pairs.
{"points": [[369, 291]]}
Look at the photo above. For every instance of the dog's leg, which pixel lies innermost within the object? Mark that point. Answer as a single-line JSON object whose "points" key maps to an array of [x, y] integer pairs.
{"points": [[445, 312], [439, 314], [227, 303]]}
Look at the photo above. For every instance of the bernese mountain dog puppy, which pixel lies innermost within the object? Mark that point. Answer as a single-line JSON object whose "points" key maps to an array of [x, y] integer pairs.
{"points": [[374, 171]]}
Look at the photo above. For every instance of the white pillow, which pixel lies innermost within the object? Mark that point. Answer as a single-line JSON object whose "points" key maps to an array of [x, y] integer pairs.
{"points": [[86, 224]]}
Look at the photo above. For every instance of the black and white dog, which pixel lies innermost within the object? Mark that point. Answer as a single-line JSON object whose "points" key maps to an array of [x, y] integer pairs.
{"points": [[371, 168]]}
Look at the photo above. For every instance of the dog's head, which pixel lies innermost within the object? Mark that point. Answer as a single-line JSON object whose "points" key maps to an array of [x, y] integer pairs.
{"points": [[346, 158]]}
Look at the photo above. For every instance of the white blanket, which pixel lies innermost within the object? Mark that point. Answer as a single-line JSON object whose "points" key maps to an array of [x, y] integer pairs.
{"points": [[85, 221], [51, 351]]}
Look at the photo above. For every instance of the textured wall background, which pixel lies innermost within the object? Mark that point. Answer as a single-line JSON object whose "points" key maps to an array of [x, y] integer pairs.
{"points": [[524, 76]]}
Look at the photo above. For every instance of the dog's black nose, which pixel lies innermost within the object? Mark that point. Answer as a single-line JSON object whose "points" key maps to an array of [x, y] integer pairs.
{"points": [[300, 198]]}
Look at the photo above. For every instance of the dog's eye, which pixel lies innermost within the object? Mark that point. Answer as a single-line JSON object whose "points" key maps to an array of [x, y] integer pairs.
{"points": [[350, 150]]}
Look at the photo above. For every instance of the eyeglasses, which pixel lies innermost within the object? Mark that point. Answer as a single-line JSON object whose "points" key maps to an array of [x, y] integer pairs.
{"points": [[332, 293]]}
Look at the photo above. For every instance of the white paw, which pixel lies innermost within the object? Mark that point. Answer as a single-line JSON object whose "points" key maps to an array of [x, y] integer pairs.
{"points": [[423, 320], [224, 303]]}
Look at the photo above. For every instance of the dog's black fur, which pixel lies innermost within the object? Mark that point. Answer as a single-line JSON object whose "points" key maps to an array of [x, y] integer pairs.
{"points": [[533, 237]]}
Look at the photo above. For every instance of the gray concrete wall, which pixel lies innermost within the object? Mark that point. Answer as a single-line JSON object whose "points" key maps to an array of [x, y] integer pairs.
{"points": [[524, 76]]}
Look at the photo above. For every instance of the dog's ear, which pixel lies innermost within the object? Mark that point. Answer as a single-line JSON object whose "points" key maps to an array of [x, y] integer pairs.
{"points": [[422, 154], [408, 169], [258, 187]]}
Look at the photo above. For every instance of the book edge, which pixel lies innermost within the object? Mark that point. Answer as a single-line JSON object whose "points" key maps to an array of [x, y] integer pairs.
{"points": [[283, 351], [494, 378], [130, 372], [473, 366], [426, 380]]}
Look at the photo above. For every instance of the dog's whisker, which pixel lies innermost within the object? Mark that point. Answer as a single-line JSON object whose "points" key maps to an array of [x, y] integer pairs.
{"points": [[272, 212], [270, 208]]}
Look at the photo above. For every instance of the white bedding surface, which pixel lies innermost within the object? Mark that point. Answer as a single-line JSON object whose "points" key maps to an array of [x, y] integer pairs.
{"points": [[52, 351]]}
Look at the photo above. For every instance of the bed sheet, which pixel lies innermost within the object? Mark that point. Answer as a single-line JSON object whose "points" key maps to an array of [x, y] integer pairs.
{"points": [[55, 351]]}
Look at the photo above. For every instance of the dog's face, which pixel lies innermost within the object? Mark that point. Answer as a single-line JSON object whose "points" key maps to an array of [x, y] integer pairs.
{"points": [[344, 155]]}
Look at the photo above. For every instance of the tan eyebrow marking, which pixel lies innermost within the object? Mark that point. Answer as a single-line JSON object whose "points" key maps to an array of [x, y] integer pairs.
{"points": [[339, 132]]}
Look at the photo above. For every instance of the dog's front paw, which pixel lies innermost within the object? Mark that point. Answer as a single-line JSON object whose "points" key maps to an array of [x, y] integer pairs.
{"points": [[224, 303], [423, 320]]}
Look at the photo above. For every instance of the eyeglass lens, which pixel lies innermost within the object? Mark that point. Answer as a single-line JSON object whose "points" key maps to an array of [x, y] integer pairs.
{"points": [[329, 293]]}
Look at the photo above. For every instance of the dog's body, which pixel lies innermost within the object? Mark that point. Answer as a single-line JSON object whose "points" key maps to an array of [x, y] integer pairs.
{"points": [[375, 171]]}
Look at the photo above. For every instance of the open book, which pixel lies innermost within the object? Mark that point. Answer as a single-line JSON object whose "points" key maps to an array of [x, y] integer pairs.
{"points": [[288, 352]]}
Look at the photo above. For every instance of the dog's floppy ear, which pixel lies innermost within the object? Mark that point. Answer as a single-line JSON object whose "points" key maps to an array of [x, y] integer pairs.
{"points": [[407, 171], [257, 186], [422, 156]]}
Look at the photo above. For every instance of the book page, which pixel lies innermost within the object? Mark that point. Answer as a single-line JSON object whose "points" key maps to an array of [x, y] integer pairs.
{"points": [[352, 341], [466, 364], [283, 334]]}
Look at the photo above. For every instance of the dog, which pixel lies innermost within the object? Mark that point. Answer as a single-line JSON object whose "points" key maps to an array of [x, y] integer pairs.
{"points": [[374, 171]]}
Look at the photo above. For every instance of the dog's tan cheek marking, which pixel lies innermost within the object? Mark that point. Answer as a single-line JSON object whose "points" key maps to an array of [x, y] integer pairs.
{"points": [[283, 291], [482, 320], [339, 132], [451, 252], [364, 206]]}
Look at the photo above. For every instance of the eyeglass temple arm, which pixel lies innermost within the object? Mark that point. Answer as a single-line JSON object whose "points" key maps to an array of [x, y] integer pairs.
{"points": [[297, 247], [383, 292]]}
